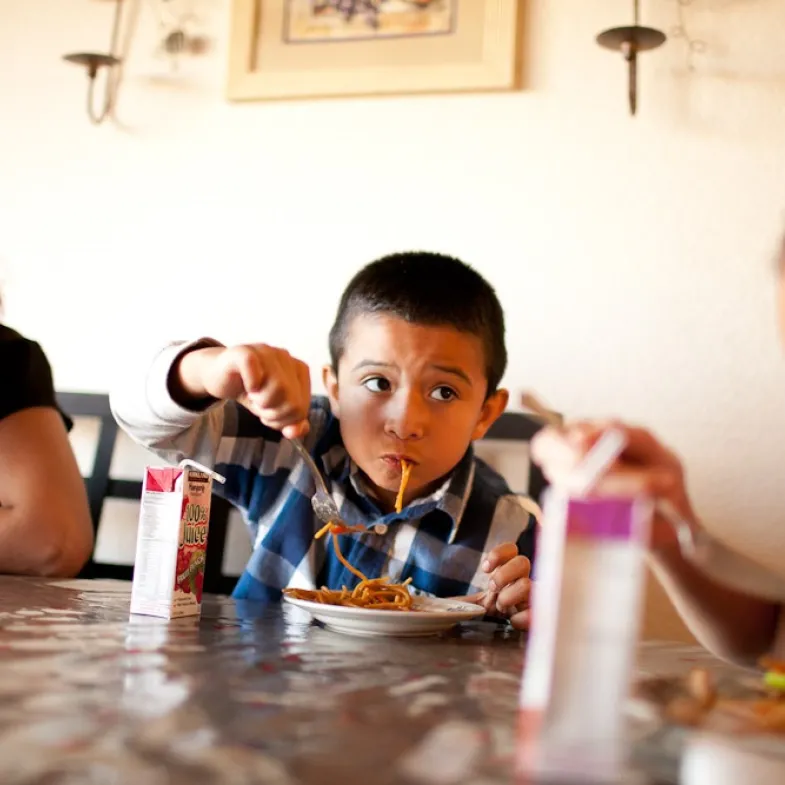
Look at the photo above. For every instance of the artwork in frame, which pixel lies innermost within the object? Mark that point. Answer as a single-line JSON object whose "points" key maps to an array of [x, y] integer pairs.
{"points": [[350, 20], [284, 49]]}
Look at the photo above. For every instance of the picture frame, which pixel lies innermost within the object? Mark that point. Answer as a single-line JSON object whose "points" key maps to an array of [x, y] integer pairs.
{"points": [[285, 49]]}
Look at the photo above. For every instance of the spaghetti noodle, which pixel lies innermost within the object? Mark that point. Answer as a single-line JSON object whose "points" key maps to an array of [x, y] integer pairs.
{"points": [[406, 470], [373, 593]]}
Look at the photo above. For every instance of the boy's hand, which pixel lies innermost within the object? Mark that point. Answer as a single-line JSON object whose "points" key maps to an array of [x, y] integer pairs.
{"points": [[269, 382], [645, 467], [508, 585]]}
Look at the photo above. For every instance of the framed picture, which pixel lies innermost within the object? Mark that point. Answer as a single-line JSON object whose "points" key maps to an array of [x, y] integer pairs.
{"points": [[282, 49]]}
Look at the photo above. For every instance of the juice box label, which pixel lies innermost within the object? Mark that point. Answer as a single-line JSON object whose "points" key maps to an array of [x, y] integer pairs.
{"points": [[192, 548]]}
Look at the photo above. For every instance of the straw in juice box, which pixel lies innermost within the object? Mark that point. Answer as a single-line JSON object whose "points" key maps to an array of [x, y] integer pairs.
{"points": [[171, 542]]}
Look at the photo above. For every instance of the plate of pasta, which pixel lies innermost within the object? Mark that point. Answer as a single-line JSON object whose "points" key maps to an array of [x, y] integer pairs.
{"points": [[376, 606], [423, 616]]}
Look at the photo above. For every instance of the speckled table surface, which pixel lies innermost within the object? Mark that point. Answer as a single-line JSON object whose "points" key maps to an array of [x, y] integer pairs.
{"points": [[255, 694]]}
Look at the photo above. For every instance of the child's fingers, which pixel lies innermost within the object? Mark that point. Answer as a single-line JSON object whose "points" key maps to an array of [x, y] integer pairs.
{"points": [[295, 382], [290, 427], [484, 599], [303, 374], [286, 418], [521, 619], [487, 600], [509, 572], [514, 594], [296, 431], [282, 397], [499, 555], [248, 363], [278, 417]]}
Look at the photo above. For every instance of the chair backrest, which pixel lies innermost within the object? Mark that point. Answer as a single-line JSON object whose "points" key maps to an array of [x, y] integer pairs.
{"points": [[520, 427], [101, 486]]}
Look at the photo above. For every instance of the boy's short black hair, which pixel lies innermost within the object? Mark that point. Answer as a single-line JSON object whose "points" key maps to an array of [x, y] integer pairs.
{"points": [[430, 289]]}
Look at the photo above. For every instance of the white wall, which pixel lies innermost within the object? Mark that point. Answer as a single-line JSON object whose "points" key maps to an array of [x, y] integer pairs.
{"points": [[632, 256]]}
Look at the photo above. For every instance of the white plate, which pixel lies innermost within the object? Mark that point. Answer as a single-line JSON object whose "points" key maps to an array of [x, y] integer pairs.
{"points": [[429, 616]]}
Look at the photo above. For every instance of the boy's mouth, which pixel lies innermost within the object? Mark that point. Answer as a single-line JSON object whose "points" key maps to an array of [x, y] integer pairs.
{"points": [[394, 461]]}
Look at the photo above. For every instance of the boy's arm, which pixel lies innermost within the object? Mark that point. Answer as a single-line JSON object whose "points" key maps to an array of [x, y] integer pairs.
{"points": [[179, 420], [145, 408]]}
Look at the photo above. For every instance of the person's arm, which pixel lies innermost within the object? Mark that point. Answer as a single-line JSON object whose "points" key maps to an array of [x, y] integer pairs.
{"points": [[144, 406], [174, 403], [45, 526], [732, 625]]}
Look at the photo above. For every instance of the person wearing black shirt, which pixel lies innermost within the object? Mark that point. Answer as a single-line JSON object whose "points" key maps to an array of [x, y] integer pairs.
{"points": [[45, 526]]}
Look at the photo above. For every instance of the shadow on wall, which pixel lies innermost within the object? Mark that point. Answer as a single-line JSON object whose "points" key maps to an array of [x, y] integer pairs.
{"points": [[726, 71]]}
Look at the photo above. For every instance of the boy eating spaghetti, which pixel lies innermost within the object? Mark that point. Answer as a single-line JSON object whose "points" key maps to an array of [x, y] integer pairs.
{"points": [[417, 354]]}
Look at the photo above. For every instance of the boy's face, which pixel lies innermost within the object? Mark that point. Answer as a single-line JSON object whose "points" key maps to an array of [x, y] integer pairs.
{"points": [[412, 392]]}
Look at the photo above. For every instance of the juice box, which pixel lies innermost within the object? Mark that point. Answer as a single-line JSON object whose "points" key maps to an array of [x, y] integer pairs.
{"points": [[171, 543], [585, 624]]}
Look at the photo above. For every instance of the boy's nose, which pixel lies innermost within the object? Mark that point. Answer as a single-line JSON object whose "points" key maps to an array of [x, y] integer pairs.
{"points": [[406, 417]]}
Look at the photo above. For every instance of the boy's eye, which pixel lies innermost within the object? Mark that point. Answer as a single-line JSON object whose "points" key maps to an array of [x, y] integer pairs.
{"points": [[377, 384], [444, 393]]}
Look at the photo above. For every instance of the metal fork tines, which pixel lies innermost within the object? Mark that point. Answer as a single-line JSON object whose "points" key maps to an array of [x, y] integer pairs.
{"points": [[322, 502]]}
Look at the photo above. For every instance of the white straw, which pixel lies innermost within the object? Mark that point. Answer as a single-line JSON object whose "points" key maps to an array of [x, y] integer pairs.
{"points": [[607, 449]]}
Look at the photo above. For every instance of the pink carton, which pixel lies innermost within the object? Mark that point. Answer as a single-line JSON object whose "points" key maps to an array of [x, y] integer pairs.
{"points": [[585, 619], [171, 543]]}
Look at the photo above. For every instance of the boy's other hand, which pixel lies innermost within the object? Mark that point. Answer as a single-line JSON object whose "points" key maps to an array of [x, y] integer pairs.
{"points": [[269, 382], [508, 585]]}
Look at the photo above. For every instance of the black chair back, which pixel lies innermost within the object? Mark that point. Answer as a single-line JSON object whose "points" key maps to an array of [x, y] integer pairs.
{"points": [[521, 427], [101, 486]]}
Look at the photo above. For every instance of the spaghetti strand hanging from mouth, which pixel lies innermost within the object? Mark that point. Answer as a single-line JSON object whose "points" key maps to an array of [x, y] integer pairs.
{"points": [[406, 470], [371, 593]]}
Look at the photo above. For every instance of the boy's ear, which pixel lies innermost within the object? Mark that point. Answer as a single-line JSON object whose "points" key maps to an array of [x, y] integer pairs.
{"points": [[330, 379], [492, 409]]}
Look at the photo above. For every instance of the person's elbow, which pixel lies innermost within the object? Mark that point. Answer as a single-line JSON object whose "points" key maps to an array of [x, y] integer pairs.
{"points": [[746, 654], [753, 636], [67, 549]]}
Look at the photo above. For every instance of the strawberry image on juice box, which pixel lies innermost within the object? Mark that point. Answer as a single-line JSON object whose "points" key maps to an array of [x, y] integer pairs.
{"points": [[171, 544]]}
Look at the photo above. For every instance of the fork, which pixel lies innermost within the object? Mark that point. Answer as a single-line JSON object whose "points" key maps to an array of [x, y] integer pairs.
{"points": [[323, 504]]}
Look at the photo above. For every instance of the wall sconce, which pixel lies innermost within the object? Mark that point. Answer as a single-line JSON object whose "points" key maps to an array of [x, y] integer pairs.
{"points": [[94, 62], [629, 41]]}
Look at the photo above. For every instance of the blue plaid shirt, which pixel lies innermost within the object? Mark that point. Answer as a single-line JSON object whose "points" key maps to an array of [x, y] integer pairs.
{"points": [[438, 541]]}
